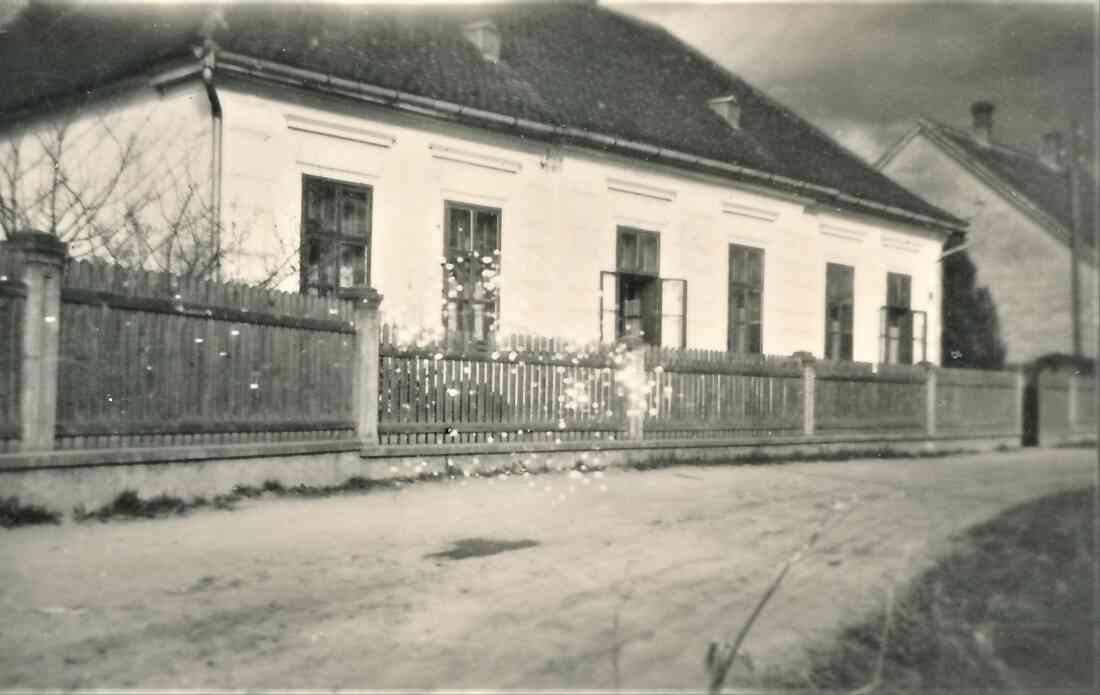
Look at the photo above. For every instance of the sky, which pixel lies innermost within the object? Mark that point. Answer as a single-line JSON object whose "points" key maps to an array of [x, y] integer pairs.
{"points": [[865, 72]]}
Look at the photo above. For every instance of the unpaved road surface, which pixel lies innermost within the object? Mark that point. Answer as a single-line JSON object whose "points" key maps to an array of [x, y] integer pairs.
{"points": [[632, 576]]}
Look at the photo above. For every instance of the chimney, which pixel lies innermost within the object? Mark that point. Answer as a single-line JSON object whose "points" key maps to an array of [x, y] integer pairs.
{"points": [[728, 108], [484, 35], [982, 111], [1051, 152]]}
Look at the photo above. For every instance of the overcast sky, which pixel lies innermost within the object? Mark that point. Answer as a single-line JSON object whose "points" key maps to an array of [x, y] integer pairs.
{"points": [[865, 72]]}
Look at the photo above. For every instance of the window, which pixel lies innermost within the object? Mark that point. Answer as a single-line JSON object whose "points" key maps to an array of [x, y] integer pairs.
{"points": [[839, 309], [902, 336], [470, 272], [746, 291], [635, 301], [336, 229]]}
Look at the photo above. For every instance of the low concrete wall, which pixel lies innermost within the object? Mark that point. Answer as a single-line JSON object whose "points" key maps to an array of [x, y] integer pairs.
{"points": [[61, 481]]}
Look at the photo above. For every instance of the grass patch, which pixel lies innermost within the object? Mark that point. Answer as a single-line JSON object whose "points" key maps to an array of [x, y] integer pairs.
{"points": [[760, 457], [1010, 610], [14, 513], [129, 505]]}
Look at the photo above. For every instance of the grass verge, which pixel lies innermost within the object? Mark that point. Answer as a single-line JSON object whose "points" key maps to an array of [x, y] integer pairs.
{"points": [[1010, 610], [14, 513], [761, 457], [129, 505]]}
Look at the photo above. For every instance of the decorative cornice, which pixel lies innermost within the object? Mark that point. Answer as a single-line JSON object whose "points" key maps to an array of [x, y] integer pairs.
{"points": [[899, 243], [843, 233], [337, 130], [750, 212], [641, 189], [475, 159]]}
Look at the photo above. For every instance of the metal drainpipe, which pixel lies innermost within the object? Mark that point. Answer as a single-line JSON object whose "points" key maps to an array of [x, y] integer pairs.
{"points": [[209, 63]]}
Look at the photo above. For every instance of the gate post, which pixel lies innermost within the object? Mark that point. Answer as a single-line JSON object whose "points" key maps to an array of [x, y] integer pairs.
{"points": [[1021, 396], [365, 375], [809, 387], [1072, 410], [43, 256], [931, 377]]}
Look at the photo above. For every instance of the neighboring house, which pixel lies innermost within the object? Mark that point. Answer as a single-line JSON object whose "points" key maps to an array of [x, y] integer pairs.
{"points": [[552, 169], [1020, 213]]}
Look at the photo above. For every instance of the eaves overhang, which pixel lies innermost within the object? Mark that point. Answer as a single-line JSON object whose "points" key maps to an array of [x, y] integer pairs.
{"points": [[290, 76]]}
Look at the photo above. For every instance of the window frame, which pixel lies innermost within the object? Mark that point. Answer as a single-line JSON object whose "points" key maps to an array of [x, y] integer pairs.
{"points": [[851, 304], [730, 283], [635, 272], [612, 319], [461, 337], [640, 235], [898, 310], [338, 238]]}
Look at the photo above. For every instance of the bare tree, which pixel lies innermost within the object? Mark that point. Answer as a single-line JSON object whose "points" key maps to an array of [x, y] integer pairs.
{"points": [[130, 190]]}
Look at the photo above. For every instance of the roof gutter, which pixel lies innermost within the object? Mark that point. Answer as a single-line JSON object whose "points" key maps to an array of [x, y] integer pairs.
{"points": [[321, 82]]}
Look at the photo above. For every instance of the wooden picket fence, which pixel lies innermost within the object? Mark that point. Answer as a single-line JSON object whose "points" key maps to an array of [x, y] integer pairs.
{"points": [[853, 396], [973, 399], [707, 394], [517, 389], [151, 359]]}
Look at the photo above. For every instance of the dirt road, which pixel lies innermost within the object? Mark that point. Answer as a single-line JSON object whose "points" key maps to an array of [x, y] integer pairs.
{"points": [[626, 578]]}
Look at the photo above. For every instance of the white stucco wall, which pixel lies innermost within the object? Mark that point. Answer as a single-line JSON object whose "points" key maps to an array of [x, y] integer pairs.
{"points": [[1026, 269], [560, 209], [146, 152]]}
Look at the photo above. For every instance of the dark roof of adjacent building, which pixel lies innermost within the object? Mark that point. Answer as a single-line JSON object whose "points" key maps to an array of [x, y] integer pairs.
{"points": [[1026, 179], [564, 64], [1047, 188]]}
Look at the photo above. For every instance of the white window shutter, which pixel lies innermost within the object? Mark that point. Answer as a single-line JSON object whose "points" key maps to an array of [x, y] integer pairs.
{"points": [[609, 306], [674, 313]]}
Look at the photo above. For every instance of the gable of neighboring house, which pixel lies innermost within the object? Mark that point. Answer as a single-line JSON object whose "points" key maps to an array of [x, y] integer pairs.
{"points": [[569, 172], [1020, 218]]}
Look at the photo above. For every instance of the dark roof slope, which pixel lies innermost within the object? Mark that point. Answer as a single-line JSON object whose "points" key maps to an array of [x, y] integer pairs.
{"points": [[566, 64], [1046, 189], [52, 51]]}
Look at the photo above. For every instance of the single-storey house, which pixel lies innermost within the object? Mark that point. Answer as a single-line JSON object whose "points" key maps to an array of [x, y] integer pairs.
{"points": [[1020, 210], [555, 169]]}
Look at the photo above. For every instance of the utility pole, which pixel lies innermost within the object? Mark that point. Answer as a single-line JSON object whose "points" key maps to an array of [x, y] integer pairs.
{"points": [[1076, 236]]}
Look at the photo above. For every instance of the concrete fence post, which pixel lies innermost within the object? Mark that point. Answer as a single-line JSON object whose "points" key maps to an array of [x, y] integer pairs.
{"points": [[43, 257], [368, 334], [632, 377], [809, 387], [1021, 395], [1073, 391], [931, 378]]}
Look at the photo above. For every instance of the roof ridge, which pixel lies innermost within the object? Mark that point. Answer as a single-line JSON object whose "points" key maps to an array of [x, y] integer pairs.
{"points": [[997, 146]]}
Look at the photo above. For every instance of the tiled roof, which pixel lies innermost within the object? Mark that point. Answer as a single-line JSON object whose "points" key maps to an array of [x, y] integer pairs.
{"points": [[564, 64], [1027, 177]]}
